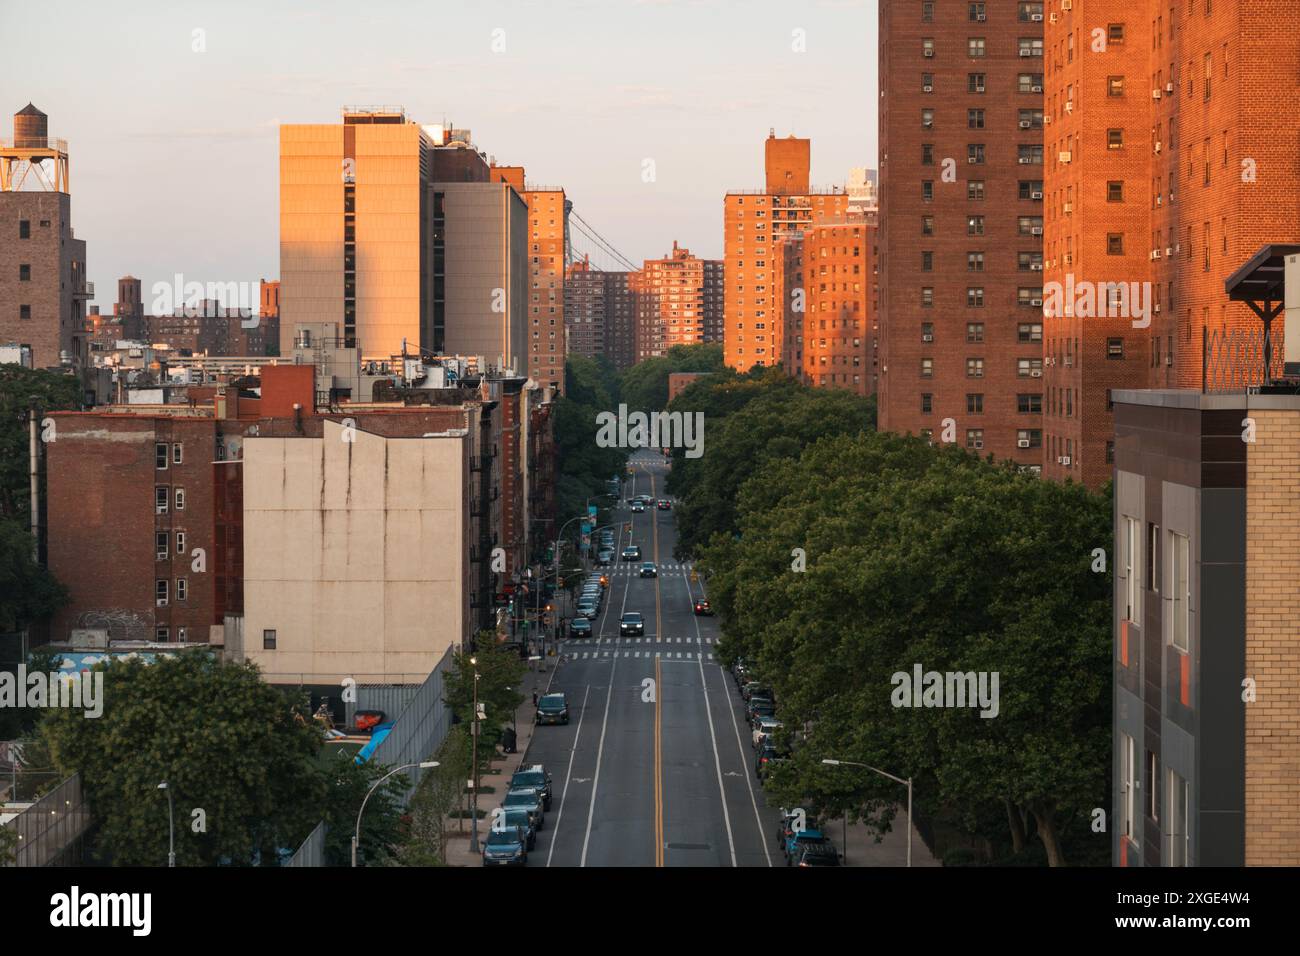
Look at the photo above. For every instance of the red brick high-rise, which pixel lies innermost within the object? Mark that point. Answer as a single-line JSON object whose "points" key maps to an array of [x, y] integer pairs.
{"points": [[961, 221], [1166, 171], [838, 265], [753, 222], [680, 300]]}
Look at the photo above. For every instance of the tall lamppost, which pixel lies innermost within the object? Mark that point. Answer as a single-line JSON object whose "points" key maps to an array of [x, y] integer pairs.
{"points": [[475, 727], [171, 825], [908, 783], [356, 835]]}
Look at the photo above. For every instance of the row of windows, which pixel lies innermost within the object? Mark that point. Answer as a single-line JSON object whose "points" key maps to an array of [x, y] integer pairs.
{"points": [[1025, 332], [162, 497], [978, 83], [162, 591], [1025, 368], [1026, 404], [1028, 11]]}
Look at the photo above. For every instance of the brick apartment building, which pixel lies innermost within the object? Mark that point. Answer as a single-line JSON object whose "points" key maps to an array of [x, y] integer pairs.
{"points": [[43, 285], [547, 250], [584, 308], [961, 221], [753, 222], [1164, 172], [830, 343], [680, 302]]}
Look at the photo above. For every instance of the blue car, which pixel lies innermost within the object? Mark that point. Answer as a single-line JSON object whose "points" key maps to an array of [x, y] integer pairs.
{"points": [[795, 842]]}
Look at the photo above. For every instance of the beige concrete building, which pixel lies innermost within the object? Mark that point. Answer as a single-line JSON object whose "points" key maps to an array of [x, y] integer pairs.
{"points": [[357, 554]]}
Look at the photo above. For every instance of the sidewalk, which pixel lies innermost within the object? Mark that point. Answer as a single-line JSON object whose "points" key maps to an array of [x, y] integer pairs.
{"points": [[503, 768], [863, 850]]}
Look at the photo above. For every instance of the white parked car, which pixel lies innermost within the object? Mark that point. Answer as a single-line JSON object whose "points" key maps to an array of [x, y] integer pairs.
{"points": [[764, 727]]}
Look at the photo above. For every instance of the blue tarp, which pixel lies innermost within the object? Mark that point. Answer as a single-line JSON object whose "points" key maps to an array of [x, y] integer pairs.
{"points": [[376, 738]]}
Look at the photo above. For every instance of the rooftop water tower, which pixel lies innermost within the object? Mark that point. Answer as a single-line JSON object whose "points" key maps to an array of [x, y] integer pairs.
{"points": [[23, 159]]}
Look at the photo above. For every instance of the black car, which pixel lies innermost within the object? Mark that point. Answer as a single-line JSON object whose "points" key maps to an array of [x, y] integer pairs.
{"points": [[816, 854], [534, 776], [703, 608], [785, 825], [648, 570], [517, 817], [631, 623], [767, 757], [632, 553], [552, 709], [507, 846], [759, 707]]}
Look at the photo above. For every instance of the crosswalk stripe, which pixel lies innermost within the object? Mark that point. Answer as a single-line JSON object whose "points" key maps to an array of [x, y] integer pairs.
{"points": [[710, 657]]}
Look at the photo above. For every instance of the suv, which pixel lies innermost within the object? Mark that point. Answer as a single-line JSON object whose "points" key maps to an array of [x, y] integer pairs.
{"points": [[534, 776], [507, 846], [815, 854], [648, 570], [631, 623], [552, 709], [526, 798], [632, 553]]}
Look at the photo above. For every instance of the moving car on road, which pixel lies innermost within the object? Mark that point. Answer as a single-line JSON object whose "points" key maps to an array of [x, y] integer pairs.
{"points": [[664, 505], [632, 553], [552, 709], [703, 608], [648, 570], [638, 507], [507, 846], [631, 623]]}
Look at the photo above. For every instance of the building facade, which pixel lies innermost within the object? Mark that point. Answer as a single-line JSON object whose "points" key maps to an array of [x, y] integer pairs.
{"points": [[961, 223]]}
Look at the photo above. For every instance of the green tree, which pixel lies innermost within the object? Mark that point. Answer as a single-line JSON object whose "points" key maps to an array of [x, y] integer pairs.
{"points": [[381, 826], [440, 792], [17, 722], [225, 742], [499, 671], [21, 391], [644, 386], [28, 592]]}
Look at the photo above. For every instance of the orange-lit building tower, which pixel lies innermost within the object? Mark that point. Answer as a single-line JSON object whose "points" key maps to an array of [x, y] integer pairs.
{"points": [[961, 223], [678, 303], [839, 289], [753, 220], [1166, 172]]}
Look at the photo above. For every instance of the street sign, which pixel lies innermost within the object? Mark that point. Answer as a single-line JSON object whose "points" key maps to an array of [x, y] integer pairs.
{"points": [[591, 510]]}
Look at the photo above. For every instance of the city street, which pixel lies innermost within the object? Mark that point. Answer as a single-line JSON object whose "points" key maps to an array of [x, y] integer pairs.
{"points": [[655, 767]]}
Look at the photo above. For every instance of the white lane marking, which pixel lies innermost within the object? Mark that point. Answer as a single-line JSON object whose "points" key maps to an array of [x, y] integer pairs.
{"points": [[758, 820], [600, 754], [568, 776]]}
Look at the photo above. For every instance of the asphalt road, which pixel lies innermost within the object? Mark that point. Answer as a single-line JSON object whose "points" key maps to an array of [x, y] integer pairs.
{"points": [[655, 767]]}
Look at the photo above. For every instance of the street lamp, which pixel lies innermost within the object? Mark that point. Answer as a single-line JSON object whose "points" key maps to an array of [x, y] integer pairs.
{"points": [[475, 727], [171, 825], [356, 836], [908, 783]]}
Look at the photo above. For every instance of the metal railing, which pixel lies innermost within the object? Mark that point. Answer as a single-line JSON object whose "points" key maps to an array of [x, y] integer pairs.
{"points": [[51, 825], [420, 728], [1232, 360], [312, 851], [36, 142]]}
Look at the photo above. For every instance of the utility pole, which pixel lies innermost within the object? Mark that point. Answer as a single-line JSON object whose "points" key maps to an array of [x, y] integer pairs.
{"points": [[475, 727]]}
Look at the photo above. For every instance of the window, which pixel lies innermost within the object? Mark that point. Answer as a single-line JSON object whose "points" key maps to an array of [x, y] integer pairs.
{"points": [[974, 331], [974, 368], [160, 592], [975, 12], [975, 46], [1029, 332], [927, 46], [927, 82], [975, 297], [1115, 191], [927, 154], [927, 296], [974, 225], [1180, 581], [24, 229], [927, 403], [1114, 86], [1114, 243], [1153, 786], [1029, 404], [160, 499], [927, 190], [160, 545], [180, 499], [1127, 788], [927, 119], [974, 119], [268, 640], [182, 589], [974, 82], [160, 456], [160, 634], [1114, 348], [1179, 796], [24, 311], [1029, 368], [927, 261], [927, 225], [927, 368], [1110, 453], [1034, 436], [974, 262], [1114, 139], [975, 153], [1153, 546], [975, 403], [1115, 33], [927, 331], [975, 438], [177, 457], [180, 542], [1132, 545], [24, 273]]}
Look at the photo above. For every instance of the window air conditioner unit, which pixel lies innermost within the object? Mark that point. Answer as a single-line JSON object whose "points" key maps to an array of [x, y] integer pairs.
{"points": [[1036, 17], [1035, 89], [1022, 443], [1159, 200], [1069, 361], [1169, 251], [1025, 124], [1066, 5], [1036, 231], [1053, 18], [1035, 373], [1169, 87], [981, 17], [1157, 146], [1026, 52], [927, 338], [160, 602], [1155, 253], [1155, 94], [978, 444], [1023, 160], [1036, 302], [1047, 119], [970, 159], [1035, 267], [927, 89], [1068, 207], [1069, 258], [927, 53], [1156, 308], [1069, 106], [1065, 459], [160, 509], [979, 89], [1038, 196]]}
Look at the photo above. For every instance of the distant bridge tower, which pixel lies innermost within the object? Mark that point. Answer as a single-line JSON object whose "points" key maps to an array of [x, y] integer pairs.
{"points": [[33, 161]]}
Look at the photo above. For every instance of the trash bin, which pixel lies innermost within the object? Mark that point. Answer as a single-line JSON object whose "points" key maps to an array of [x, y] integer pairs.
{"points": [[508, 740]]}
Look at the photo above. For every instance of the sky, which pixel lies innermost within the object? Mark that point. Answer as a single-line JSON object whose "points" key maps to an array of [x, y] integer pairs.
{"points": [[174, 150]]}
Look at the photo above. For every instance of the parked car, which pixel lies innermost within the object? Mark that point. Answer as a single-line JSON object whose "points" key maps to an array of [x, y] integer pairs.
{"points": [[631, 623], [759, 707], [604, 557], [785, 826], [764, 728], [816, 854], [552, 709], [588, 609], [767, 757], [703, 608], [534, 775], [632, 553], [506, 847], [517, 817], [796, 842], [529, 799], [648, 570], [580, 627], [754, 688]]}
